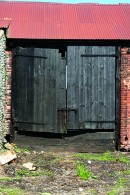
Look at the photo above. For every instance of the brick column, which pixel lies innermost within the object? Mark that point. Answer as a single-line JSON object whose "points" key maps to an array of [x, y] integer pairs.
{"points": [[5, 88], [8, 91], [2, 86], [125, 100]]}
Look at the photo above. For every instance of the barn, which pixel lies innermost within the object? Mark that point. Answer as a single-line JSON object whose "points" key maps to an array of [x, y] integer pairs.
{"points": [[65, 67]]}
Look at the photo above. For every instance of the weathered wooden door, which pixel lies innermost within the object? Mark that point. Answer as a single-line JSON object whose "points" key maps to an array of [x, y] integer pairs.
{"points": [[91, 87], [39, 90], [42, 101]]}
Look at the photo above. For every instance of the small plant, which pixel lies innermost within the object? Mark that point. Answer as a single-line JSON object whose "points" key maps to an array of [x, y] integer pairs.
{"points": [[126, 172], [27, 173], [10, 191], [47, 172], [123, 159], [9, 178], [91, 192], [23, 172], [118, 187], [20, 150], [83, 171]]}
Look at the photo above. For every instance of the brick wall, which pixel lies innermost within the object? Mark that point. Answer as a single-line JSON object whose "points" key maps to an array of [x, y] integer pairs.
{"points": [[125, 100], [8, 55]]}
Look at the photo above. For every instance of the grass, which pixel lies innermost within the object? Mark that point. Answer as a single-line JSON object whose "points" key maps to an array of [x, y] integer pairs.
{"points": [[83, 172], [9, 178], [5, 190], [20, 150], [91, 192], [123, 159], [126, 172], [118, 188], [107, 156], [122, 173], [25, 172]]}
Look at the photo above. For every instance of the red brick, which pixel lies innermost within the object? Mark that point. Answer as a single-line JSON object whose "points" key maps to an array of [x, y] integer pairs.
{"points": [[125, 98]]}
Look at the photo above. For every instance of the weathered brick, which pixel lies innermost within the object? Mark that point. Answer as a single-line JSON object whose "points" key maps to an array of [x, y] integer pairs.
{"points": [[125, 99]]}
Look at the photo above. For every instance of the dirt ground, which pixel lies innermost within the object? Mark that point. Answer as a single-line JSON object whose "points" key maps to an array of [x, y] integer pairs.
{"points": [[61, 172]]}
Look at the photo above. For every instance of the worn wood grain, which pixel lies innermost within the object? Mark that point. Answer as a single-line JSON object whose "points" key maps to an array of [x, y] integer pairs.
{"points": [[40, 89], [91, 80]]}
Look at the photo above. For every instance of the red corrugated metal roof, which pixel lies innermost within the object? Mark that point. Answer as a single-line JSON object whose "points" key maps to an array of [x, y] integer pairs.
{"points": [[66, 21], [4, 24]]}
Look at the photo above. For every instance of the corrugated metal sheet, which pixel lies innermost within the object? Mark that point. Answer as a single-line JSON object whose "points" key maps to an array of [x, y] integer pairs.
{"points": [[4, 24], [66, 21]]}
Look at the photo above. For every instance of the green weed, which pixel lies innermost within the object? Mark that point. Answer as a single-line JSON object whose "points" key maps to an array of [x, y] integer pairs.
{"points": [[20, 150], [107, 156], [10, 191], [83, 172], [118, 187], [23, 172], [91, 192], [27, 173], [123, 159], [9, 178], [122, 173], [126, 172]]}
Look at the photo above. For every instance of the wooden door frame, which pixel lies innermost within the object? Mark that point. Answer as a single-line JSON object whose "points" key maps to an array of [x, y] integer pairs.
{"points": [[117, 98]]}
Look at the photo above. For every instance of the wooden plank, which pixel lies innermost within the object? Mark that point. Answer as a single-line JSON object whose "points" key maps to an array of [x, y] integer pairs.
{"points": [[73, 91], [23, 86], [94, 88], [118, 95], [38, 86], [15, 86], [60, 92], [47, 89], [88, 75], [112, 89], [53, 90], [70, 79], [29, 63]]}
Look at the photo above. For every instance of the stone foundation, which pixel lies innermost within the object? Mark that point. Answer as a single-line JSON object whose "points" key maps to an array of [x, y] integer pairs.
{"points": [[5, 88]]}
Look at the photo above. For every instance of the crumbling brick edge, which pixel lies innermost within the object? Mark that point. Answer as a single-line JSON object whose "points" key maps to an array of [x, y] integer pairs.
{"points": [[5, 88], [125, 100]]}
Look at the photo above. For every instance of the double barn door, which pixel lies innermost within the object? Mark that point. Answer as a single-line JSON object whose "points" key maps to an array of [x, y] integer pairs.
{"points": [[52, 93]]}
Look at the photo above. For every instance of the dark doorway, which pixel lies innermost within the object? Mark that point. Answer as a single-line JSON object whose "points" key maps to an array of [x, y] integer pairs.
{"points": [[57, 91]]}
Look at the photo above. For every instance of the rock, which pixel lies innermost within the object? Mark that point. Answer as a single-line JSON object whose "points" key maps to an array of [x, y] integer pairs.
{"points": [[34, 152], [45, 193], [89, 162], [27, 152], [7, 157], [29, 166], [81, 189], [42, 152]]}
